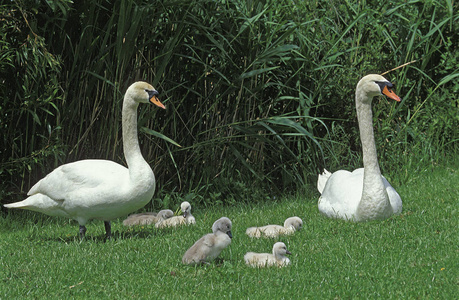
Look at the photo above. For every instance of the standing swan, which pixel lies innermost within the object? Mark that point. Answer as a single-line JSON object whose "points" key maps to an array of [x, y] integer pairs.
{"points": [[100, 189], [364, 194]]}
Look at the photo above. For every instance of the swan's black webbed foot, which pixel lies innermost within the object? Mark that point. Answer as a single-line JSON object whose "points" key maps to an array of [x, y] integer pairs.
{"points": [[82, 231], [108, 230]]}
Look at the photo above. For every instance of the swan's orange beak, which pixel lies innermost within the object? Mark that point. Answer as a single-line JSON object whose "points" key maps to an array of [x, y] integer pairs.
{"points": [[156, 102], [390, 94]]}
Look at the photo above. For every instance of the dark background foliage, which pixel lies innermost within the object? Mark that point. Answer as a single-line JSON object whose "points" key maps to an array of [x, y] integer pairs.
{"points": [[259, 94]]}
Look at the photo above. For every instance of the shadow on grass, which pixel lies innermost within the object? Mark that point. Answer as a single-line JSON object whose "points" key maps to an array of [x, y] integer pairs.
{"points": [[100, 238], [39, 227]]}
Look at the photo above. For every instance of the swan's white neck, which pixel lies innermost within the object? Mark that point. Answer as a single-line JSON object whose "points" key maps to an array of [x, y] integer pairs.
{"points": [[138, 167], [374, 203]]}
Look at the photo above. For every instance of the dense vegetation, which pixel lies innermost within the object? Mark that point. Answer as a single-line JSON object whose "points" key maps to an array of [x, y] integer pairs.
{"points": [[259, 94]]}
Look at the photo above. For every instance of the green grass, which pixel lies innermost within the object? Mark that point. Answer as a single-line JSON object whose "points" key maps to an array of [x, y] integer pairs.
{"points": [[413, 255]]}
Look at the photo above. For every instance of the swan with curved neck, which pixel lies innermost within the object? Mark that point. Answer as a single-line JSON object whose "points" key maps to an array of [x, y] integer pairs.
{"points": [[364, 194], [100, 189]]}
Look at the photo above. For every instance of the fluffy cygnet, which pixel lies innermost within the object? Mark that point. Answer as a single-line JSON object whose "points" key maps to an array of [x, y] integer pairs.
{"points": [[291, 225], [185, 219], [148, 218], [209, 246], [277, 259]]}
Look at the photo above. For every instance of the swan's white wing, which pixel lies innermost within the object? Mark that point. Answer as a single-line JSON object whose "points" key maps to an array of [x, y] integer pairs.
{"points": [[394, 197], [98, 176], [87, 189], [342, 194]]}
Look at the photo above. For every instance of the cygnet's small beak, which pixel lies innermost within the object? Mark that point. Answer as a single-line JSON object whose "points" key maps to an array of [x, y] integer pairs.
{"points": [[390, 94], [229, 234], [288, 252], [184, 214]]}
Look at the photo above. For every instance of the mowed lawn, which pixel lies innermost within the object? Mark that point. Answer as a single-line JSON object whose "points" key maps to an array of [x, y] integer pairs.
{"points": [[413, 255]]}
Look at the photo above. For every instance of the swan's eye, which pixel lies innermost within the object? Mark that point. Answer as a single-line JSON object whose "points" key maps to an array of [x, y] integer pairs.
{"points": [[151, 93], [383, 84]]}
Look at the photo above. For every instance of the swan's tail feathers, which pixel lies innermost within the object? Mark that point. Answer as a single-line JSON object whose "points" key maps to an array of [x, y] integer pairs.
{"points": [[253, 232], [28, 203], [19, 204], [40, 203], [322, 180]]}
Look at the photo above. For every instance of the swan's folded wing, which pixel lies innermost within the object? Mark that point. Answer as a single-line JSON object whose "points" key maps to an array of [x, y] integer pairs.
{"points": [[394, 198], [86, 174], [342, 194], [257, 259], [272, 230], [199, 251], [208, 240]]}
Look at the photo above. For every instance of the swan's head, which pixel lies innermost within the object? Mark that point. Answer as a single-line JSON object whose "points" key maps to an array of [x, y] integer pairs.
{"points": [[279, 249], [373, 85], [223, 225], [165, 214], [295, 222], [143, 92], [186, 208]]}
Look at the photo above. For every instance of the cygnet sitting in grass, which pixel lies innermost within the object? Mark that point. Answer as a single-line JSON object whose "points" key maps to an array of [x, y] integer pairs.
{"points": [[277, 259], [185, 219], [209, 246], [291, 225], [148, 218]]}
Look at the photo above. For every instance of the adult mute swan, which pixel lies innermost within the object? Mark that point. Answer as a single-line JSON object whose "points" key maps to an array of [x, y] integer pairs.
{"points": [[211, 245], [364, 194], [277, 259], [100, 189]]}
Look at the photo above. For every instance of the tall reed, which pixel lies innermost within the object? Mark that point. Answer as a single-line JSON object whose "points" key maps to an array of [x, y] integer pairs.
{"points": [[259, 94]]}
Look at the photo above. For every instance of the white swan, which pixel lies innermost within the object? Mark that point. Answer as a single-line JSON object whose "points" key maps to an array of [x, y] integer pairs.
{"points": [[185, 219], [277, 259], [100, 189], [148, 218], [363, 194], [291, 225], [211, 245]]}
